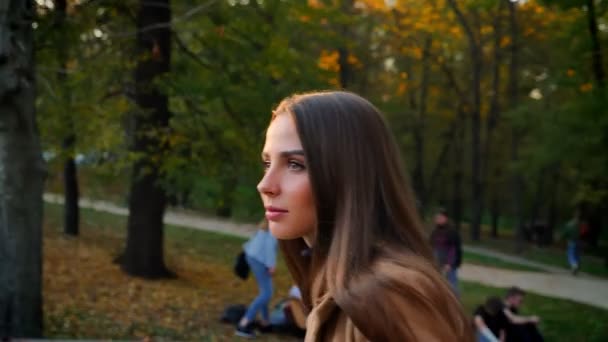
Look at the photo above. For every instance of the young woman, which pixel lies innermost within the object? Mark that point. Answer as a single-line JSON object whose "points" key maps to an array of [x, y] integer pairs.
{"points": [[337, 198], [261, 254]]}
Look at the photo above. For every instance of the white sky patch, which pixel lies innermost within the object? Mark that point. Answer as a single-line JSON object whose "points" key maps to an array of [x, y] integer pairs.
{"points": [[45, 3], [389, 64], [390, 3], [536, 94], [541, 77]]}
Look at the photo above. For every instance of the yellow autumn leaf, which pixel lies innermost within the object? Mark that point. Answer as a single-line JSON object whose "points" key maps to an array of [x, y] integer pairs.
{"points": [[570, 72], [586, 87], [329, 61]]}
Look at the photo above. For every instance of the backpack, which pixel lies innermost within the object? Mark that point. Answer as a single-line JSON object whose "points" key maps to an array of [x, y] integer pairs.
{"points": [[241, 267], [233, 313]]}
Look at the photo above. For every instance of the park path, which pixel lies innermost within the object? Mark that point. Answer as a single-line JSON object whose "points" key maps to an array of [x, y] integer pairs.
{"points": [[519, 260], [555, 283]]}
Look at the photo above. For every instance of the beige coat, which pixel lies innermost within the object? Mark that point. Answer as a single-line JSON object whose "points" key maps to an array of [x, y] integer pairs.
{"points": [[393, 316]]}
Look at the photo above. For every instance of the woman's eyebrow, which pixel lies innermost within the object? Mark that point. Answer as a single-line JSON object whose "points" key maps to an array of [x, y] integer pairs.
{"points": [[292, 152], [287, 153]]}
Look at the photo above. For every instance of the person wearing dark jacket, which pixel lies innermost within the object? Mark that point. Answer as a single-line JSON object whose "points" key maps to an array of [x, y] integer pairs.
{"points": [[490, 321], [520, 328], [447, 248]]}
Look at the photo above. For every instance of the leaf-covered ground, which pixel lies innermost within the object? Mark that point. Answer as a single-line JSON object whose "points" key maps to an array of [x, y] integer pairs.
{"points": [[87, 296]]}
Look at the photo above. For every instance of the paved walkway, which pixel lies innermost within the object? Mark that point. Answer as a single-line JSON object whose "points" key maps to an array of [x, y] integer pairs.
{"points": [[556, 283], [518, 260]]}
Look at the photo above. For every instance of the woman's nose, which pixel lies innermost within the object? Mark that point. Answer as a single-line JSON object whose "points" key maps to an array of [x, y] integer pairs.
{"points": [[268, 185]]}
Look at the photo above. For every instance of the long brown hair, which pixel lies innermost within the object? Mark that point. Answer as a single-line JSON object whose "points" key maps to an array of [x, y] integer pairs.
{"points": [[365, 207]]}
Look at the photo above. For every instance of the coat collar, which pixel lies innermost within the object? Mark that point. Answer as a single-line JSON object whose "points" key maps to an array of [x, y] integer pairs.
{"points": [[323, 309]]}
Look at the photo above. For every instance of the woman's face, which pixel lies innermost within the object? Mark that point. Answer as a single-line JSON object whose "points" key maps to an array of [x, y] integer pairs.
{"points": [[285, 187]]}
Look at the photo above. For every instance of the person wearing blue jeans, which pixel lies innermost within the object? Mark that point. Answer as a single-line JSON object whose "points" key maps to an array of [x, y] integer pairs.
{"points": [[573, 256], [451, 275], [447, 249], [261, 254], [570, 233]]}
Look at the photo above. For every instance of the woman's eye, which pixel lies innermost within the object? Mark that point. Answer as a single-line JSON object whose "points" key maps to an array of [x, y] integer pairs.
{"points": [[295, 165], [265, 165]]}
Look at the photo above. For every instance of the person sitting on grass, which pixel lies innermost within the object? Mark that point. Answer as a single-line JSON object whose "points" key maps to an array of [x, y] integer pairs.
{"points": [[490, 321], [519, 328], [289, 315]]}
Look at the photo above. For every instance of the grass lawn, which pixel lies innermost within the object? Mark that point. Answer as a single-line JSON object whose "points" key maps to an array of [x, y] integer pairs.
{"points": [[561, 320], [479, 259], [87, 296], [554, 255], [546, 255]]}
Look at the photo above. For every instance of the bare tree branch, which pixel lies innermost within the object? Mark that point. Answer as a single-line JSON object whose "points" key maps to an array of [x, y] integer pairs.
{"points": [[170, 24], [190, 53]]}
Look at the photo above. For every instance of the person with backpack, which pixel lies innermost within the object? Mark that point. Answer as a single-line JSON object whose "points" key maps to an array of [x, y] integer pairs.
{"points": [[261, 254]]}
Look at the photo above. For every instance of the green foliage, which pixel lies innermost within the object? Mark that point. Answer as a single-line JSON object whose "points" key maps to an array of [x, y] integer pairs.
{"points": [[82, 71], [227, 76], [232, 61], [572, 135]]}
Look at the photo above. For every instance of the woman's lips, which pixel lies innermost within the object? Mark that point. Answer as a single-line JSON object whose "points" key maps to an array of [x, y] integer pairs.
{"points": [[275, 214]]}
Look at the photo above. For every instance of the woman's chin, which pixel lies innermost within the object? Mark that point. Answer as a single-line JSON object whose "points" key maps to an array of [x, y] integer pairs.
{"points": [[279, 232]]}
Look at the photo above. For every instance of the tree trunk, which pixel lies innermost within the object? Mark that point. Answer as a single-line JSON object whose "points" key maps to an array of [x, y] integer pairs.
{"points": [[458, 172], [494, 113], [22, 175], [70, 178], [419, 132], [599, 75], [537, 226], [476, 181], [495, 214], [144, 251], [442, 162], [346, 73], [517, 186], [552, 211], [71, 214], [595, 225], [492, 123], [598, 68], [476, 67], [345, 68]]}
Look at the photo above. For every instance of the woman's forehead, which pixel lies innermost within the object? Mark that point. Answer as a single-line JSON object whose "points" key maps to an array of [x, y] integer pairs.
{"points": [[282, 135]]}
